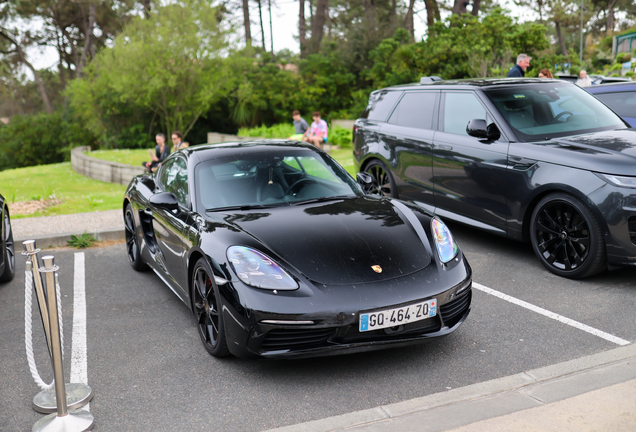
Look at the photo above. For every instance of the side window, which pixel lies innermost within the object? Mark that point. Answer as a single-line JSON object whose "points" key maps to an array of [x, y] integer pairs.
{"points": [[459, 109], [381, 104], [623, 104], [174, 178], [415, 110]]}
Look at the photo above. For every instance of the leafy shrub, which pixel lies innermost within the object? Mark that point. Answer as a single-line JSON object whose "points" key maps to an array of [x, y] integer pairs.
{"points": [[340, 136], [39, 139], [620, 58], [281, 130]]}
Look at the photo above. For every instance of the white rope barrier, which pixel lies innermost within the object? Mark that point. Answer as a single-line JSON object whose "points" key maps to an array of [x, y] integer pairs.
{"points": [[28, 329]]}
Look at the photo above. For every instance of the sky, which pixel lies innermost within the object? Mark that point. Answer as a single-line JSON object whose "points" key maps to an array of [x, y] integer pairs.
{"points": [[284, 22]]}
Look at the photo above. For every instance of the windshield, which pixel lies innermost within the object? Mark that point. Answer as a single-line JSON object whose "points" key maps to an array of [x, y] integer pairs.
{"points": [[273, 177], [550, 110]]}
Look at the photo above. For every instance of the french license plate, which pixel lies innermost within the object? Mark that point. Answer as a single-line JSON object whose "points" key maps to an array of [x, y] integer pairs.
{"points": [[395, 317]]}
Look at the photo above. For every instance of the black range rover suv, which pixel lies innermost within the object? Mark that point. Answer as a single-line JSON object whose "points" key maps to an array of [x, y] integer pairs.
{"points": [[536, 160]]}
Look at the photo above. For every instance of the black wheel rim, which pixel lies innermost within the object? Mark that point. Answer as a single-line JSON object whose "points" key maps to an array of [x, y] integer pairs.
{"points": [[562, 235], [381, 178], [131, 241], [205, 308], [8, 243]]}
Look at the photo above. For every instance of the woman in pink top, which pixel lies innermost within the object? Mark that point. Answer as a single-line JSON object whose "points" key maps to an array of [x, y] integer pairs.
{"points": [[317, 132]]}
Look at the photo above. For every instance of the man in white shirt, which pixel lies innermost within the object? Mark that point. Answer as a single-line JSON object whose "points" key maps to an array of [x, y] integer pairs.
{"points": [[584, 80]]}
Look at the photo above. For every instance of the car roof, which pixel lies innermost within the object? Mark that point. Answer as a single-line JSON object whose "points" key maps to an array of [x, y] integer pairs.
{"points": [[612, 87], [475, 82], [255, 146]]}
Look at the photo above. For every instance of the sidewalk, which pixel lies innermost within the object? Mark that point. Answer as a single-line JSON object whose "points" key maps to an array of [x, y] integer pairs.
{"points": [[53, 231], [593, 393]]}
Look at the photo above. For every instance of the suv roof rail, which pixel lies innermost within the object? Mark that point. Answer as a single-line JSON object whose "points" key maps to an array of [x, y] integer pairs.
{"points": [[429, 79]]}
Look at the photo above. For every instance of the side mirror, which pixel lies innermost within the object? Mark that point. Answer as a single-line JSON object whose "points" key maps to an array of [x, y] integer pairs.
{"points": [[365, 180], [479, 129], [164, 200]]}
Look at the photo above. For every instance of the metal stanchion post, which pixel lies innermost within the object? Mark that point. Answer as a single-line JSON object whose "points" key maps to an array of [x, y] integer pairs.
{"points": [[77, 394], [64, 420], [32, 266]]}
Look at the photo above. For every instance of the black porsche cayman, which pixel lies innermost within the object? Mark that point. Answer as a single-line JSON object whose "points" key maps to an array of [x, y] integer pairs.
{"points": [[280, 253]]}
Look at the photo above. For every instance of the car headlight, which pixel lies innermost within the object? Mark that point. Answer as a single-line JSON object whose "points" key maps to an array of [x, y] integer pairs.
{"points": [[256, 269], [623, 181], [446, 246]]}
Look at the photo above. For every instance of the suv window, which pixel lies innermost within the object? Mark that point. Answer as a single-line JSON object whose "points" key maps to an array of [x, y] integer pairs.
{"points": [[174, 178], [459, 109], [415, 110], [381, 104], [623, 104], [552, 109]]}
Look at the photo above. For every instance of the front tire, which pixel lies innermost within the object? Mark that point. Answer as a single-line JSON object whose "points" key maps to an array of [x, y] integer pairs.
{"points": [[132, 243], [207, 310], [382, 178], [9, 250], [566, 237]]}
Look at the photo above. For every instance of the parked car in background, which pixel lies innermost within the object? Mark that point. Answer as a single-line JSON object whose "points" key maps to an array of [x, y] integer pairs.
{"points": [[537, 160], [620, 97], [279, 252], [7, 265], [600, 79]]}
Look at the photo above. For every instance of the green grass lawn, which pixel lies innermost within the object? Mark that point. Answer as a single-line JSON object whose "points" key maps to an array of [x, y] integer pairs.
{"points": [[79, 194]]}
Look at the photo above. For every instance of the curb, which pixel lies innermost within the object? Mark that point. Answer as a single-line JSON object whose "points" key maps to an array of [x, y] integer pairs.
{"points": [[481, 401], [47, 241]]}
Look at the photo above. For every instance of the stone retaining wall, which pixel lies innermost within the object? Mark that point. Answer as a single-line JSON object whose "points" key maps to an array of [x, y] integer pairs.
{"points": [[110, 172]]}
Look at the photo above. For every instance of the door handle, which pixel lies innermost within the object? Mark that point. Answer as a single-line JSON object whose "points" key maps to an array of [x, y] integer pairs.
{"points": [[148, 212]]}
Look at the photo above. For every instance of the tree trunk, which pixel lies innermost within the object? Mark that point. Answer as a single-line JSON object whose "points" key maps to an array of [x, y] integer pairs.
{"points": [[432, 12], [302, 30], [38, 80], [393, 14], [246, 23], [408, 20], [610, 16], [317, 28], [21, 57], [146, 4], [476, 6], [88, 39], [459, 8], [260, 17], [271, 29], [564, 50]]}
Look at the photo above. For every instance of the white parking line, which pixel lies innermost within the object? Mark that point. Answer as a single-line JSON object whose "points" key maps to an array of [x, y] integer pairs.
{"points": [[79, 363], [552, 315]]}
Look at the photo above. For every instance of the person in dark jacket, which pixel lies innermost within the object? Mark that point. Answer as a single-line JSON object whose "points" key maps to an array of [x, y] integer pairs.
{"points": [[519, 70], [161, 152]]}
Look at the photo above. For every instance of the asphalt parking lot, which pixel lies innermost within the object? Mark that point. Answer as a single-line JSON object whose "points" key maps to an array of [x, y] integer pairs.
{"points": [[150, 372]]}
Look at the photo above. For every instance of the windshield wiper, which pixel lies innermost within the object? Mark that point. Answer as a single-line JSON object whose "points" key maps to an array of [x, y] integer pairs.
{"points": [[322, 199], [245, 207]]}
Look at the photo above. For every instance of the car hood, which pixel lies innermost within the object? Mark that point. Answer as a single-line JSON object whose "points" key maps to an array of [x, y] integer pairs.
{"points": [[610, 152], [338, 242]]}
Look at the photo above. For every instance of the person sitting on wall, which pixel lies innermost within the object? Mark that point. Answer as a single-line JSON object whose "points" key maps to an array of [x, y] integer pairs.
{"points": [[177, 141], [317, 133], [300, 125], [162, 151]]}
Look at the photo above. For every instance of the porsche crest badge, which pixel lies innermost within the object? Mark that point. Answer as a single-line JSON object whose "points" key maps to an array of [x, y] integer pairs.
{"points": [[377, 268]]}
